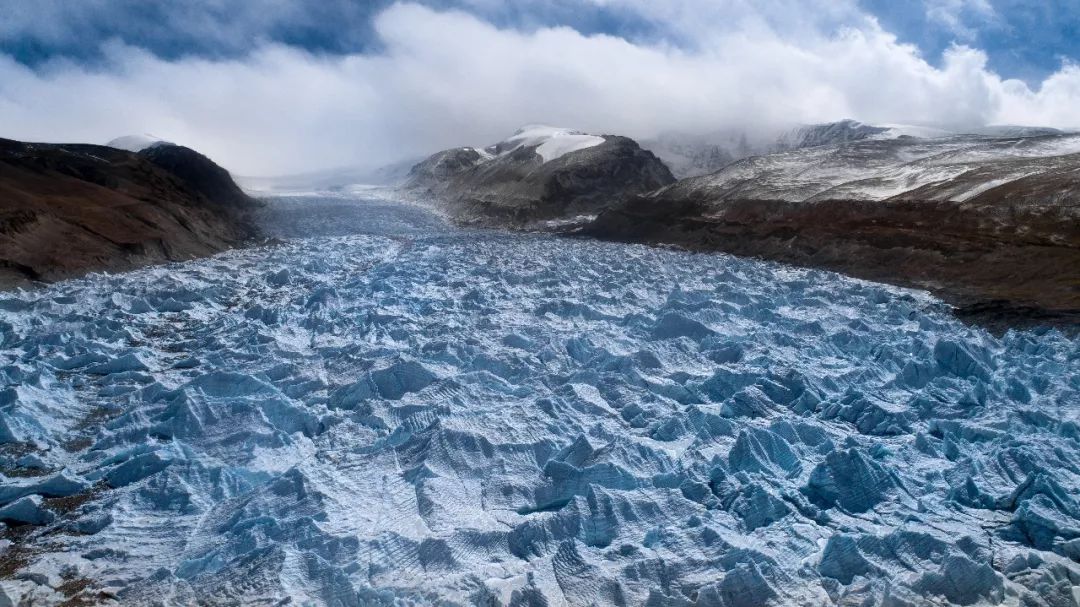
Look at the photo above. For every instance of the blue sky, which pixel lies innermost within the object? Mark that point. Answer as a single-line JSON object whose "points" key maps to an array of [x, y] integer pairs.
{"points": [[1025, 39], [276, 86]]}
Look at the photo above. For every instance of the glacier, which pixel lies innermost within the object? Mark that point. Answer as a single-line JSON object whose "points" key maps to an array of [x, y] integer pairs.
{"points": [[381, 409]]}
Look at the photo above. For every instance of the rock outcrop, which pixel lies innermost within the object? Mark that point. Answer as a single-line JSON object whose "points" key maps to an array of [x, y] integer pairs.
{"points": [[69, 209]]}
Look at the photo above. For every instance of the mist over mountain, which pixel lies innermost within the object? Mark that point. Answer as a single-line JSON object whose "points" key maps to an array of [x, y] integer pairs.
{"points": [[694, 154]]}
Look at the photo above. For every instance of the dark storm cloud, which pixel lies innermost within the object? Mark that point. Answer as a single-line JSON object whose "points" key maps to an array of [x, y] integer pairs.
{"points": [[34, 32]]}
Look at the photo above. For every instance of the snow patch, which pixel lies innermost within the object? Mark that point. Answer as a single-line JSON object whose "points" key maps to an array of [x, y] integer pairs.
{"points": [[910, 130], [550, 142], [136, 143]]}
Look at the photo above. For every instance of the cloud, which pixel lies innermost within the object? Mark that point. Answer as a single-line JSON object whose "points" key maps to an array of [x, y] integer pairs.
{"points": [[446, 78], [961, 17]]}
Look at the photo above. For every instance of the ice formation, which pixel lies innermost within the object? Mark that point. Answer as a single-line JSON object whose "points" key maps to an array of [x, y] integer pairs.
{"points": [[387, 411], [550, 142]]}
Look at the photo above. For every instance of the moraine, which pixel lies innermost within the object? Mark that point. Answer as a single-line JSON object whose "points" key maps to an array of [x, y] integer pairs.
{"points": [[383, 409]]}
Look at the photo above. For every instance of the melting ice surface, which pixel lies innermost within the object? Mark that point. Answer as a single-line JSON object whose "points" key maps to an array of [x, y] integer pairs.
{"points": [[385, 410]]}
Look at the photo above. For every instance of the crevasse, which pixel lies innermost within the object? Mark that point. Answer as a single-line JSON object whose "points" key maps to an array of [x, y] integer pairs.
{"points": [[387, 410]]}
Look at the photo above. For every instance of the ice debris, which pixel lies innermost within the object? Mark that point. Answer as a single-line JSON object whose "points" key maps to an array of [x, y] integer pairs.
{"points": [[403, 413]]}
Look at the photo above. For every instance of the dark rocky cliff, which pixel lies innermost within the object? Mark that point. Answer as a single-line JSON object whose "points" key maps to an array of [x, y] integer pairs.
{"points": [[69, 209], [198, 173]]}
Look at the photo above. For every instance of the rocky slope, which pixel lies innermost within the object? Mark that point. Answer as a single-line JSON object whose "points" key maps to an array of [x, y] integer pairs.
{"points": [[989, 223], [69, 209], [539, 176], [695, 154]]}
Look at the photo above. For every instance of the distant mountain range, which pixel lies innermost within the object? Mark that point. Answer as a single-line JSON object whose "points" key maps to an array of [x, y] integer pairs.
{"points": [[954, 168], [538, 174], [685, 154], [695, 154], [844, 160]]}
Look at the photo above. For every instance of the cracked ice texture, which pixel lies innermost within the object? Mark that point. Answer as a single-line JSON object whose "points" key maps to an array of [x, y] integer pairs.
{"points": [[387, 409]]}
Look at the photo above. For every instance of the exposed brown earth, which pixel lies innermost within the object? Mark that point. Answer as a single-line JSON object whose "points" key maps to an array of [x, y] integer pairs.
{"points": [[1004, 258], [69, 209]]}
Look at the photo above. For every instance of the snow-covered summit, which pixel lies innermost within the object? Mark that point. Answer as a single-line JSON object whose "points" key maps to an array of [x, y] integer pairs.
{"points": [[551, 142], [895, 131], [946, 168], [696, 154], [136, 143], [539, 173], [830, 133]]}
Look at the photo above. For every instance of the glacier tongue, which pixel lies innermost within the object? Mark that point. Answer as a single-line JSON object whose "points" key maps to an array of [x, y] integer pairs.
{"points": [[384, 410]]}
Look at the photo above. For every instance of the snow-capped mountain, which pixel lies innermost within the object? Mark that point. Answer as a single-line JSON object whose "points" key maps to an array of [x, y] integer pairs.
{"points": [[549, 142], [693, 155], [1009, 130], [136, 143], [540, 173], [831, 133], [957, 168]]}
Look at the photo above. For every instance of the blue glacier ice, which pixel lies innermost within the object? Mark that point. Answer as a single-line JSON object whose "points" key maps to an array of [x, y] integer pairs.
{"points": [[380, 409]]}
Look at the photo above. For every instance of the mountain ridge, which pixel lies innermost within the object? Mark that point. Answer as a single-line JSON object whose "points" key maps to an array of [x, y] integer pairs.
{"points": [[697, 154]]}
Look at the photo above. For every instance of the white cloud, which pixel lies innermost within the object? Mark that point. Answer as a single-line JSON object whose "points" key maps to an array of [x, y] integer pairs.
{"points": [[956, 15], [447, 78]]}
